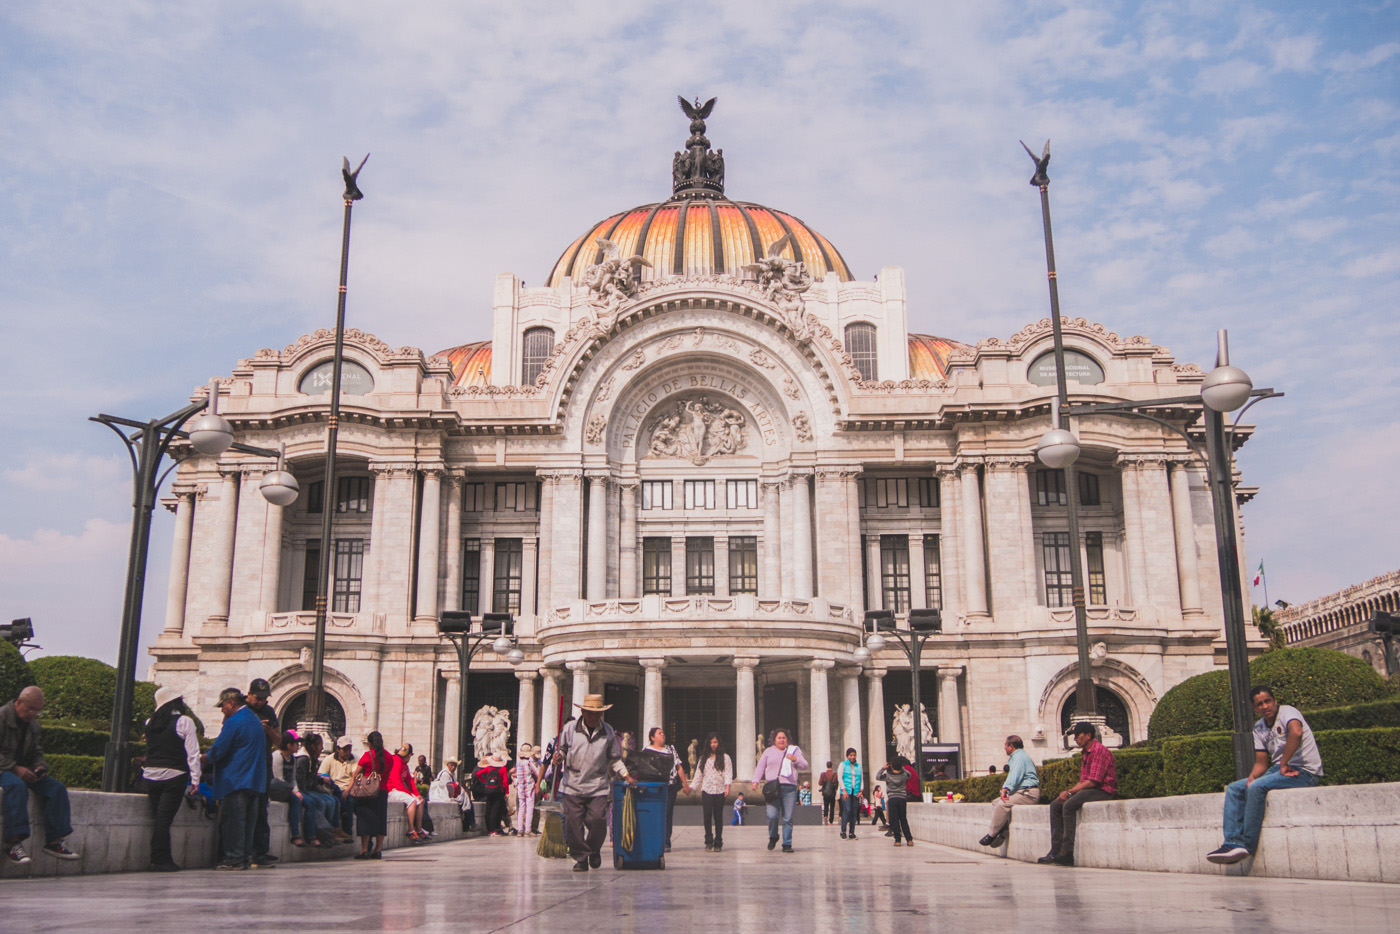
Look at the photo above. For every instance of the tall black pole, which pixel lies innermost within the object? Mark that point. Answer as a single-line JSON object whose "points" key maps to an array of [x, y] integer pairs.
{"points": [[315, 705], [1085, 703], [147, 447], [1231, 590], [464, 662], [916, 646]]}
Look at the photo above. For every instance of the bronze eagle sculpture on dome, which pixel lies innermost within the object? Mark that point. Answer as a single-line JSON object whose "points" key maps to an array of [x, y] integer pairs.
{"points": [[697, 111]]}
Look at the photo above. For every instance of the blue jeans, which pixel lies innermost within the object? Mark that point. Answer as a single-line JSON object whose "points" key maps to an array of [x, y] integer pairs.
{"points": [[1244, 806], [850, 814], [238, 811], [16, 807], [787, 804]]}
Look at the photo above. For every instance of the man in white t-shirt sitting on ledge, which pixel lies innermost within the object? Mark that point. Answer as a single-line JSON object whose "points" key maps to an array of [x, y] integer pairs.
{"points": [[1285, 756]]}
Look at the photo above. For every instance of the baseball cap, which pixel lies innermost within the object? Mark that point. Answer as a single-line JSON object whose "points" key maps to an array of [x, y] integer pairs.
{"points": [[260, 687]]}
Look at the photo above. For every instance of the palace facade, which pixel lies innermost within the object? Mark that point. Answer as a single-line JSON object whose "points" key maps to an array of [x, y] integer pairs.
{"points": [[688, 465]]}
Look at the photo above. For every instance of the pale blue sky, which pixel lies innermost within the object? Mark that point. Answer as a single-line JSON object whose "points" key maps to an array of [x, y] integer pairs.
{"points": [[170, 203]]}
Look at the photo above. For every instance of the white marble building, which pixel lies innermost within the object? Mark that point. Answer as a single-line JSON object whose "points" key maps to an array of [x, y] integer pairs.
{"points": [[689, 479]]}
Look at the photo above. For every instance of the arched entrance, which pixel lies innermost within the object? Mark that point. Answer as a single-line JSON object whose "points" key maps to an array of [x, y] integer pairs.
{"points": [[294, 711], [1111, 708]]}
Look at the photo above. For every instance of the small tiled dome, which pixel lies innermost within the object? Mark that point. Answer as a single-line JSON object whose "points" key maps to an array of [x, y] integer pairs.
{"points": [[928, 356]]}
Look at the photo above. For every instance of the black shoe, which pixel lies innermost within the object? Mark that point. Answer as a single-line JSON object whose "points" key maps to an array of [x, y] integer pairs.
{"points": [[595, 860], [265, 858], [162, 867], [718, 847], [998, 840], [852, 836], [581, 865], [772, 842], [843, 835], [709, 847], [986, 840], [787, 849], [230, 866], [1047, 859], [1065, 860]]}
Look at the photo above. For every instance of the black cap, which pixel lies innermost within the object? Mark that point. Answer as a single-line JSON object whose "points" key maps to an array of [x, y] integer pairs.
{"points": [[1084, 726], [260, 687]]}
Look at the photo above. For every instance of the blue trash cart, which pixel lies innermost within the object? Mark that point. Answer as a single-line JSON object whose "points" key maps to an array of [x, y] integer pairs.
{"points": [[649, 839]]}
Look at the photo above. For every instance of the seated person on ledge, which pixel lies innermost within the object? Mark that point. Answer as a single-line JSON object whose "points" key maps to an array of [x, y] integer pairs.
{"points": [[1285, 756], [23, 770]]}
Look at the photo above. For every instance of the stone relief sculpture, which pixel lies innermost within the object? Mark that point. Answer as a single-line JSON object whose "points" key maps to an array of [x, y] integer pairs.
{"points": [[594, 433], [697, 430], [692, 754], [902, 726], [491, 732], [783, 282], [802, 427], [611, 282]]}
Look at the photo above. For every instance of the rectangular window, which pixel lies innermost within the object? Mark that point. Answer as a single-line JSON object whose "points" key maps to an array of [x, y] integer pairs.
{"points": [[349, 572], [656, 494], [1093, 546], [471, 575], [315, 496], [933, 572], [1059, 589], [352, 494], [894, 572], [1088, 489], [1050, 488], [473, 497], [743, 564], [700, 563], [656, 565], [517, 496], [886, 493], [741, 494], [311, 575], [699, 494], [510, 563], [928, 492]]}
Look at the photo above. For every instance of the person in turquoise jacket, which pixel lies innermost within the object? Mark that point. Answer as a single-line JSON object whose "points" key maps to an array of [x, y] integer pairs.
{"points": [[1022, 786], [240, 775], [849, 779]]}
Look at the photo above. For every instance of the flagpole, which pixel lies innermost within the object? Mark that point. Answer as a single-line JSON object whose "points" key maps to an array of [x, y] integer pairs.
{"points": [[1265, 580]]}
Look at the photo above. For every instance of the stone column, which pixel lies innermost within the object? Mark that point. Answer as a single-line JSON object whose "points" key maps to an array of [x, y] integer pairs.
{"points": [[545, 598], [451, 715], [678, 565], [973, 550], [949, 542], [564, 560], [721, 565], [875, 719], [488, 575], [549, 705], [396, 544], [745, 719], [850, 711], [377, 554], [950, 708], [651, 694], [429, 545], [582, 683], [1010, 538], [1133, 543], [452, 541], [875, 592], [819, 746], [627, 575], [1185, 532], [1163, 581], [802, 535], [789, 554], [179, 563], [529, 575], [597, 537], [918, 582], [525, 718], [271, 583], [222, 558], [770, 588]]}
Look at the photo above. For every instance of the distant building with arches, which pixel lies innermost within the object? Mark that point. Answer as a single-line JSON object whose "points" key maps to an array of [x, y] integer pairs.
{"points": [[688, 464], [1341, 620]]}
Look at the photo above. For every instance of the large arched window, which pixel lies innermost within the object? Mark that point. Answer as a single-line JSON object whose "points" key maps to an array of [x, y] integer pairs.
{"points": [[538, 344], [860, 344]]}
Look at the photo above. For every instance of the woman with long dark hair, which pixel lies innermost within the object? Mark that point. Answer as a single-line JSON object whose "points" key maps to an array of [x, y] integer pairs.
{"points": [[713, 775], [656, 742], [372, 813]]}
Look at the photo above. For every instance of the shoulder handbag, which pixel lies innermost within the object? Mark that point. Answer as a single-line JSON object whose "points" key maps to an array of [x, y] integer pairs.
{"points": [[771, 793], [365, 785]]}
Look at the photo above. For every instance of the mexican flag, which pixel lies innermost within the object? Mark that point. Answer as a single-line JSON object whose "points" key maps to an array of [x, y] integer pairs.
{"points": [[1259, 575]]}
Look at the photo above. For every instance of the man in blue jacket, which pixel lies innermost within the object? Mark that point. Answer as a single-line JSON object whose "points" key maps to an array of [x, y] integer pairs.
{"points": [[240, 775]]}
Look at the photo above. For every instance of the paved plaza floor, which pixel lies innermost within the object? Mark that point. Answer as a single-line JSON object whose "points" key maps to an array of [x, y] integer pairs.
{"points": [[828, 885]]}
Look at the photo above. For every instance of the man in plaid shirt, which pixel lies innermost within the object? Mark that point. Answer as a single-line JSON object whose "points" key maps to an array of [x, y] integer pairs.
{"points": [[1098, 781]]}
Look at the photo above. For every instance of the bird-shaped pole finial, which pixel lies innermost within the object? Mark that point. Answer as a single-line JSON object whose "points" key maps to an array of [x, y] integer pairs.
{"points": [[352, 189], [1039, 179]]}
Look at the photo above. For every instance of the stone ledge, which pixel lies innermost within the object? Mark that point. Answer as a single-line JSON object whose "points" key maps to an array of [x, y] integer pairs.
{"points": [[113, 834], [1344, 832]]}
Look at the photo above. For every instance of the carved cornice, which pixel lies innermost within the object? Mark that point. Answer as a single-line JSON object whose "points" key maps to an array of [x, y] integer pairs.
{"points": [[1079, 326], [1140, 461], [1014, 462]]}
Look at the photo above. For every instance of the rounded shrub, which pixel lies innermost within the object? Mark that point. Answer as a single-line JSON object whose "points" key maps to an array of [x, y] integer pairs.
{"points": [[76, 690], [1200, 704], [15, 674]]}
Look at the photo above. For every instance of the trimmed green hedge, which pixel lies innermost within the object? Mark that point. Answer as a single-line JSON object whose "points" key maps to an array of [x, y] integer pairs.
{"points": [[76, 771], [1356, 716], [1192, 765], [15, 674], [79, 692], [76, 741]]}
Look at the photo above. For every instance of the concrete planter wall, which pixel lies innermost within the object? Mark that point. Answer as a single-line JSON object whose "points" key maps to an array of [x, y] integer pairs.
{"points": [[1344, 832]]}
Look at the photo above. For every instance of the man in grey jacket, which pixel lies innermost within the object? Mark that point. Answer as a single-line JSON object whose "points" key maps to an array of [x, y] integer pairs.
{"points": [[589, 750], [23, 770]]}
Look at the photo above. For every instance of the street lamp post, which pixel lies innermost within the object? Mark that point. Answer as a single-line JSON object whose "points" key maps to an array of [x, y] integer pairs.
{"points": [[923, 623], [1225, 389], [210, 434], [1085, 703], [456, 625]]}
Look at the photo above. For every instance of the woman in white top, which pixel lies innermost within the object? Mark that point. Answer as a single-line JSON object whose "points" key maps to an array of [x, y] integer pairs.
{"points": [[713, 775], [780, 762]]}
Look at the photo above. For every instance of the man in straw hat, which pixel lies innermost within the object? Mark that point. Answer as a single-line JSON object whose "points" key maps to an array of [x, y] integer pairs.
{"points": [[589, 750]]}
